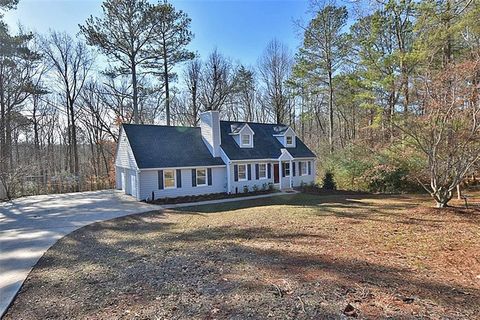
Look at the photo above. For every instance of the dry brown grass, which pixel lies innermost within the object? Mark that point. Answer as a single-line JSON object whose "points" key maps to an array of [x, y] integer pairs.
{"points": [[290, 257]]}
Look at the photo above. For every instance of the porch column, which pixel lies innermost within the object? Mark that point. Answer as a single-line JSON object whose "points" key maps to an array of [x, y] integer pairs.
{"points": [[229, 187], [291, 173], [280, 173]]}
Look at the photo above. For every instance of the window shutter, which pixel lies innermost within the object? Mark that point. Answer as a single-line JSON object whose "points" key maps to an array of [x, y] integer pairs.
{"points": [[209, 176], [293, 167], [194, 177], [235, 172], [300, 168], [309, 167], [160, 179], [249, 171], [283, 170], [179, 178], [256, 171], [269, 171]]}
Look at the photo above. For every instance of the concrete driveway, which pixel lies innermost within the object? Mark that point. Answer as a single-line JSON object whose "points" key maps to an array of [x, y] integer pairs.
{"points": [[29, 226]]}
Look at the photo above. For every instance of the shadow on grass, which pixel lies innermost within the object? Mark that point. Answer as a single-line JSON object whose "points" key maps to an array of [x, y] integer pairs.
{"points": [[148, 266], [381, 208]]}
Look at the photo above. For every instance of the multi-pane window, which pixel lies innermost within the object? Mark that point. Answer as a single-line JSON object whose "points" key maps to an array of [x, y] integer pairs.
{"points": [[169, 178], [289, 140], [245, 139], [304, 169], [262, 171], [242, 172], [201, 177], [286, 169]]}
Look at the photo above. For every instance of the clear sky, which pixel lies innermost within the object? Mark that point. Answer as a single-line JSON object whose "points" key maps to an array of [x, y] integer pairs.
{"points": [[239, 29]]}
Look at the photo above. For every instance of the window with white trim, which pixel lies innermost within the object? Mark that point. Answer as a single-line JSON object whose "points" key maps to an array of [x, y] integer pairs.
{"points": [[304, 170], [201, 177], [262, 171], [246, 139], [169, 179], [242, 172], [286, 169], [289, 140]]}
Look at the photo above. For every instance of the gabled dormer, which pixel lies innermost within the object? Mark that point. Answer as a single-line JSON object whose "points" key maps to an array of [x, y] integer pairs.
{"points": [[242, 134], [286, 136]]}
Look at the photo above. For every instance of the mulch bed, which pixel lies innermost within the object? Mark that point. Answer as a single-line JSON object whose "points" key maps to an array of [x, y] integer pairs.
{"points": [[210, 196]]}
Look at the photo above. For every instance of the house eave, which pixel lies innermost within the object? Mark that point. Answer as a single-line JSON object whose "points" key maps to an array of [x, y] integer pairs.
{"points": [[187, 167]]}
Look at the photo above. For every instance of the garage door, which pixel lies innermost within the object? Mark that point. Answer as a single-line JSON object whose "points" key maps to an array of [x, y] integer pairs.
{"points": [[133, 184]]}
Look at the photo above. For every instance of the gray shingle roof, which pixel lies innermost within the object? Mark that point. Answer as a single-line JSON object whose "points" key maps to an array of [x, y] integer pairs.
{"points": [[280, 129], [166, 146], [237, 127], [265, 144]]}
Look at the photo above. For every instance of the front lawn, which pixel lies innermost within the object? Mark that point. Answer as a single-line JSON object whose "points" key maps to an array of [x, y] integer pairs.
{"points": [[286, 257]]}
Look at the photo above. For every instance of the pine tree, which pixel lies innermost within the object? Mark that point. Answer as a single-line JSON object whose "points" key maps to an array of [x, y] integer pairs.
{"points": [[328, 182], [172, 35]]}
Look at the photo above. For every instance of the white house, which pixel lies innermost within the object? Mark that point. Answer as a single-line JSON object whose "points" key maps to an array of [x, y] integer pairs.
{"points": [[219, 156]]}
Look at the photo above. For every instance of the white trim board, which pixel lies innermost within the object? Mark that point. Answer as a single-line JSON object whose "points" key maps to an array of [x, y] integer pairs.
{"points": [[191, 167]]}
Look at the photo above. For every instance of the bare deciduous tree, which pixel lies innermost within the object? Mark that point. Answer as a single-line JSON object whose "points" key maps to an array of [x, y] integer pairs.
{"points": [[217, 81], [274, 68], [448, 130], [72, 63]]}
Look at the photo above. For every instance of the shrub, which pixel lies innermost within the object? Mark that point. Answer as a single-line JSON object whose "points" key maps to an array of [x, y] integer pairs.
{"points": [[328, 181], [392, 168], [390, 179], [264, 186], [270, 186], [245, 189], [255, 188]]}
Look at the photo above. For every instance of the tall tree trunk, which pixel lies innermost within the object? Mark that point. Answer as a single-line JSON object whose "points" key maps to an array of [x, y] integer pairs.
{"points": [[167, 89], [3, 165], [76, 168], [135, 92], [406, 93], [330, 110]]}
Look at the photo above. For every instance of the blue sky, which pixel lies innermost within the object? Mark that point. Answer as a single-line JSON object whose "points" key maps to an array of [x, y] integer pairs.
{"points": [[239, 29]]}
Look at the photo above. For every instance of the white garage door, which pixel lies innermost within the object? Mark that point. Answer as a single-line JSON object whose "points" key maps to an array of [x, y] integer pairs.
{"points": [[122, 177]]}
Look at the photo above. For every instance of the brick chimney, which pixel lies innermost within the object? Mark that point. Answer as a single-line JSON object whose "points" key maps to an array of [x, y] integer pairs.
{"points": [[210, 127]]}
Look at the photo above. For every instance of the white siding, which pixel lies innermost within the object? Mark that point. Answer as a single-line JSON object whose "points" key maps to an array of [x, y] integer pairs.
{"points": [[125, 158], [130, 176], [237, 186], [118, 178], [149, 182], [285, 182], [297, 180], [210, 127]]}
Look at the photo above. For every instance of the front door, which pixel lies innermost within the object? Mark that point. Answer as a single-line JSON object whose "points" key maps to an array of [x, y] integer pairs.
{"points": [[276, 173]]}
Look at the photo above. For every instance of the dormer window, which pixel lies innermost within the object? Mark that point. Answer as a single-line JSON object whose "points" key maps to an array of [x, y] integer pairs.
{"points": [[285, 135], [246, 140], [289, 140], [242, 134]]}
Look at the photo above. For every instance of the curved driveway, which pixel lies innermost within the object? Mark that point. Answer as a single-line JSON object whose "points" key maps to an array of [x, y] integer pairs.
{"points": [[29, 226]]}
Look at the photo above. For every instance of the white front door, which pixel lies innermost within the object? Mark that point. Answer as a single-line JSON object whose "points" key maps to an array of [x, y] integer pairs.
{"points": [[134, 185]]}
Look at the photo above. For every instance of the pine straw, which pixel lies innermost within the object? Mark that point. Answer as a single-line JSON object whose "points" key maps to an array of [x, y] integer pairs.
{"points": [[290, 257]]}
